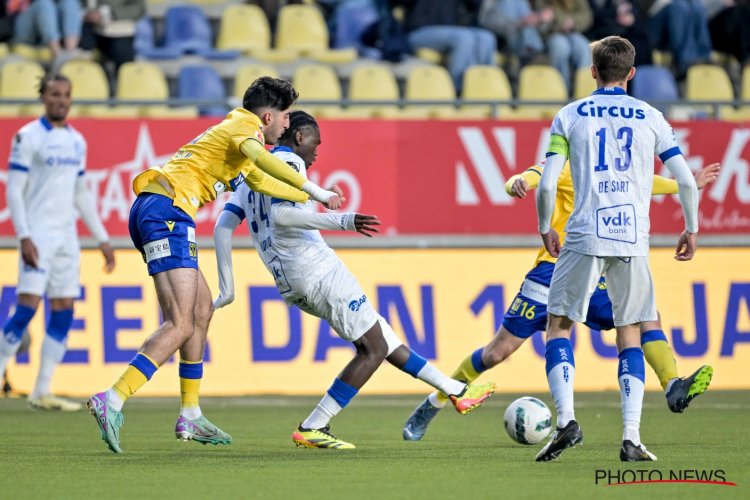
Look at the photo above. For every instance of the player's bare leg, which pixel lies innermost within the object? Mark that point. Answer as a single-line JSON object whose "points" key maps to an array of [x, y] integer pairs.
{"points": [[191, 424]]}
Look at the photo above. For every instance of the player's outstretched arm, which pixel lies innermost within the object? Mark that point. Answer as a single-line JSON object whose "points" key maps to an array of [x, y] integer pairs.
{"points": [[278, 169], [84, 202], [225, 226], [703, 177], [520, 184], [688, 193], [286, 215]]}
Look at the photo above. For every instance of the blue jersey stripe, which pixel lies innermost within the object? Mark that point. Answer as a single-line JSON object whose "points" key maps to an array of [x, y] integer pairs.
{"points": [[18, 166], [669, 153], [231, 207]]}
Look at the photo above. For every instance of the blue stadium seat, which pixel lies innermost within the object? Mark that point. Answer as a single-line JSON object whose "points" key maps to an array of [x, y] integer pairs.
{"points": [[654, 83], [202, 82], [353, 17], [145, 42], [187, 31]]}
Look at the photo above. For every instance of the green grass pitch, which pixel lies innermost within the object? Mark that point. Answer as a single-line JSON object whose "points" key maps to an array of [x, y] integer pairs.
{"points": [[59, 455]]}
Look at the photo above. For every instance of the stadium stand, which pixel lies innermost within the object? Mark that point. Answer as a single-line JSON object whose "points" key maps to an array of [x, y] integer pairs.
{"points": [[653, 84], [430, 83], [245, 28], [351, 21], [583, 83], [706, 82], [20, 80], [302, 28], [247, 74], [201, 82], [318, 82], [485, 83], [537, 82], [374, 82], [144, 81]]}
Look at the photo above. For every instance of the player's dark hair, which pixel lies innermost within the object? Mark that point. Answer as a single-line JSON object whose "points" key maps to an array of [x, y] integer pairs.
{"points": [[51, 77], [267, 92], [613, 57], [298, 120]]}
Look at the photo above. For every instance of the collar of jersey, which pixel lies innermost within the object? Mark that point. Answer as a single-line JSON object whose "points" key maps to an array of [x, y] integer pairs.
{"points": [[610, 91], [281, 148], [46, 124]]}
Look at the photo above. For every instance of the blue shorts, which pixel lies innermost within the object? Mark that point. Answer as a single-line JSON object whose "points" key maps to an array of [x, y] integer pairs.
{"points": [[163, 233], [527, 313]]}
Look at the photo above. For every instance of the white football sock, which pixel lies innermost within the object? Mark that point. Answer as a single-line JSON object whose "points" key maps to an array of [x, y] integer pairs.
{"points": [[560, 380], [7, 351], [631, 396], [439, 380], [191, 413], [434, 401], [114, 400], [52, 355], [322, 414]]}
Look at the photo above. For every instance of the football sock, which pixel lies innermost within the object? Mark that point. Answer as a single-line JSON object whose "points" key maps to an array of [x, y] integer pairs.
{"points": [[138, 372], [335, 400], [659, 356], [12, 333], [53, 350], [561, 370], [191, 373], [435, 400], [419, 368], [468, 371], [631, 374]]}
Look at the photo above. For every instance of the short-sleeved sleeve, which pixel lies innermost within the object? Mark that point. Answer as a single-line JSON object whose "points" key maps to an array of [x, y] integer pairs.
{"points": [[21, 152], [237, 202], [665, 145]]}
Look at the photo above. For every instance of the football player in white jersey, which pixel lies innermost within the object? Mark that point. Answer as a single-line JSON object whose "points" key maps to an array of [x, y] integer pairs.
{"points": [[45, 189], [308, 274], [610, 139]]}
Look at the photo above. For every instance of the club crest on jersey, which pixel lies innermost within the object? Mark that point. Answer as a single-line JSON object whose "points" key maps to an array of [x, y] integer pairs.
{"points": [[170, 224], [356, 304], [617, 223]]}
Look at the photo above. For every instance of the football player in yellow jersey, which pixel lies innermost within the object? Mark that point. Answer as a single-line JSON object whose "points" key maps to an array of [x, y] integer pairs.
{"points": [[527, 313], [162, 228]]}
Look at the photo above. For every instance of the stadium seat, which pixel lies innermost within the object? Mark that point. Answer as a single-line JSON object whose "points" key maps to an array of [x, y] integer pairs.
{"points": [[485, 83], [90, 83], [373, 82], [145, 81], [245, 28], [537, 82], [40, 54], [248, 74], [743, 112], [187, 31], [317, 82], [584, 84], [202, 83], [19, 80], [352, 18], [653, 84], [706, 82], [430, 83], [302, 28]]}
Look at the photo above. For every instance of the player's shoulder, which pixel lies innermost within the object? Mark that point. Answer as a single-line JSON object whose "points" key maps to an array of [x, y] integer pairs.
{"points": [[292, 159]]}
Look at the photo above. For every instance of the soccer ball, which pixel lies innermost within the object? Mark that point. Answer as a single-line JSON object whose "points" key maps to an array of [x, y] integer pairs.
{"points": [[528, 420]]}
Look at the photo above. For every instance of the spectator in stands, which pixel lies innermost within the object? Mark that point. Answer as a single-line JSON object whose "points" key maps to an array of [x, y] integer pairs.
{"points": [[567, 47], [434, 24], [729, 26], [620, 17], [49, 21], [517, 24], [109, 25], [681, 28]]}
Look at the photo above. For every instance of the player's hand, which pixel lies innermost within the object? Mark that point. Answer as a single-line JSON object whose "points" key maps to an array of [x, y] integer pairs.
{"points": [[707, 175], [335, 202], [223, 300], [686, 246], [109, 257], [552, 243], [29, 253], [366, 224], [520, 188]]}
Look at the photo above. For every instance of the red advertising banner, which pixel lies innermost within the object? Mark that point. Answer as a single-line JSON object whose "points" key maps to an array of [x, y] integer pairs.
{"points": [[419, 177]]}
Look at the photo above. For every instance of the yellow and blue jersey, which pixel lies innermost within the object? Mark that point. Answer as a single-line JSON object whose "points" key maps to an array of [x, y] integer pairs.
{"points": [[210, 164]]}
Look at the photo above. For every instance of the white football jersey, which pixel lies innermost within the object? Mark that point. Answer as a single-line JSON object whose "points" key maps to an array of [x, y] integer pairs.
{"points": [[612, 140], [54, 158], [295, 257]]}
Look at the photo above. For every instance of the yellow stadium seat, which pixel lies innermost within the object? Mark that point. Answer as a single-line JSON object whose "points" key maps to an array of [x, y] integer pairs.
{"points": [[245, 27], [706, 82], [430, 83], [431, 56], [90, 83], [40, 54], [373, 82], [145, 81], [4, 50], [485, 83], [316, 82], [20, 80], [302, 28], [248, 74], [537, 82], [584, 84]]}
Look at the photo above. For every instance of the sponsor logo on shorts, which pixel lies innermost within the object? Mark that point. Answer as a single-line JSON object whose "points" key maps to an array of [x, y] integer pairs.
{"points": [[356, 304], [193, 248], [157, 249], [191, 234], [534, 291]]}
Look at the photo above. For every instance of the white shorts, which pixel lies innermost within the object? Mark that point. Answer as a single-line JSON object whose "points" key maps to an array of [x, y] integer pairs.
{"points": [[629, 286], [59, 269], [338, 299]]}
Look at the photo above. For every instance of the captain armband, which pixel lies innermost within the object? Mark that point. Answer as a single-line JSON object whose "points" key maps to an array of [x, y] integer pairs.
{"points": [[558, 145]]}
